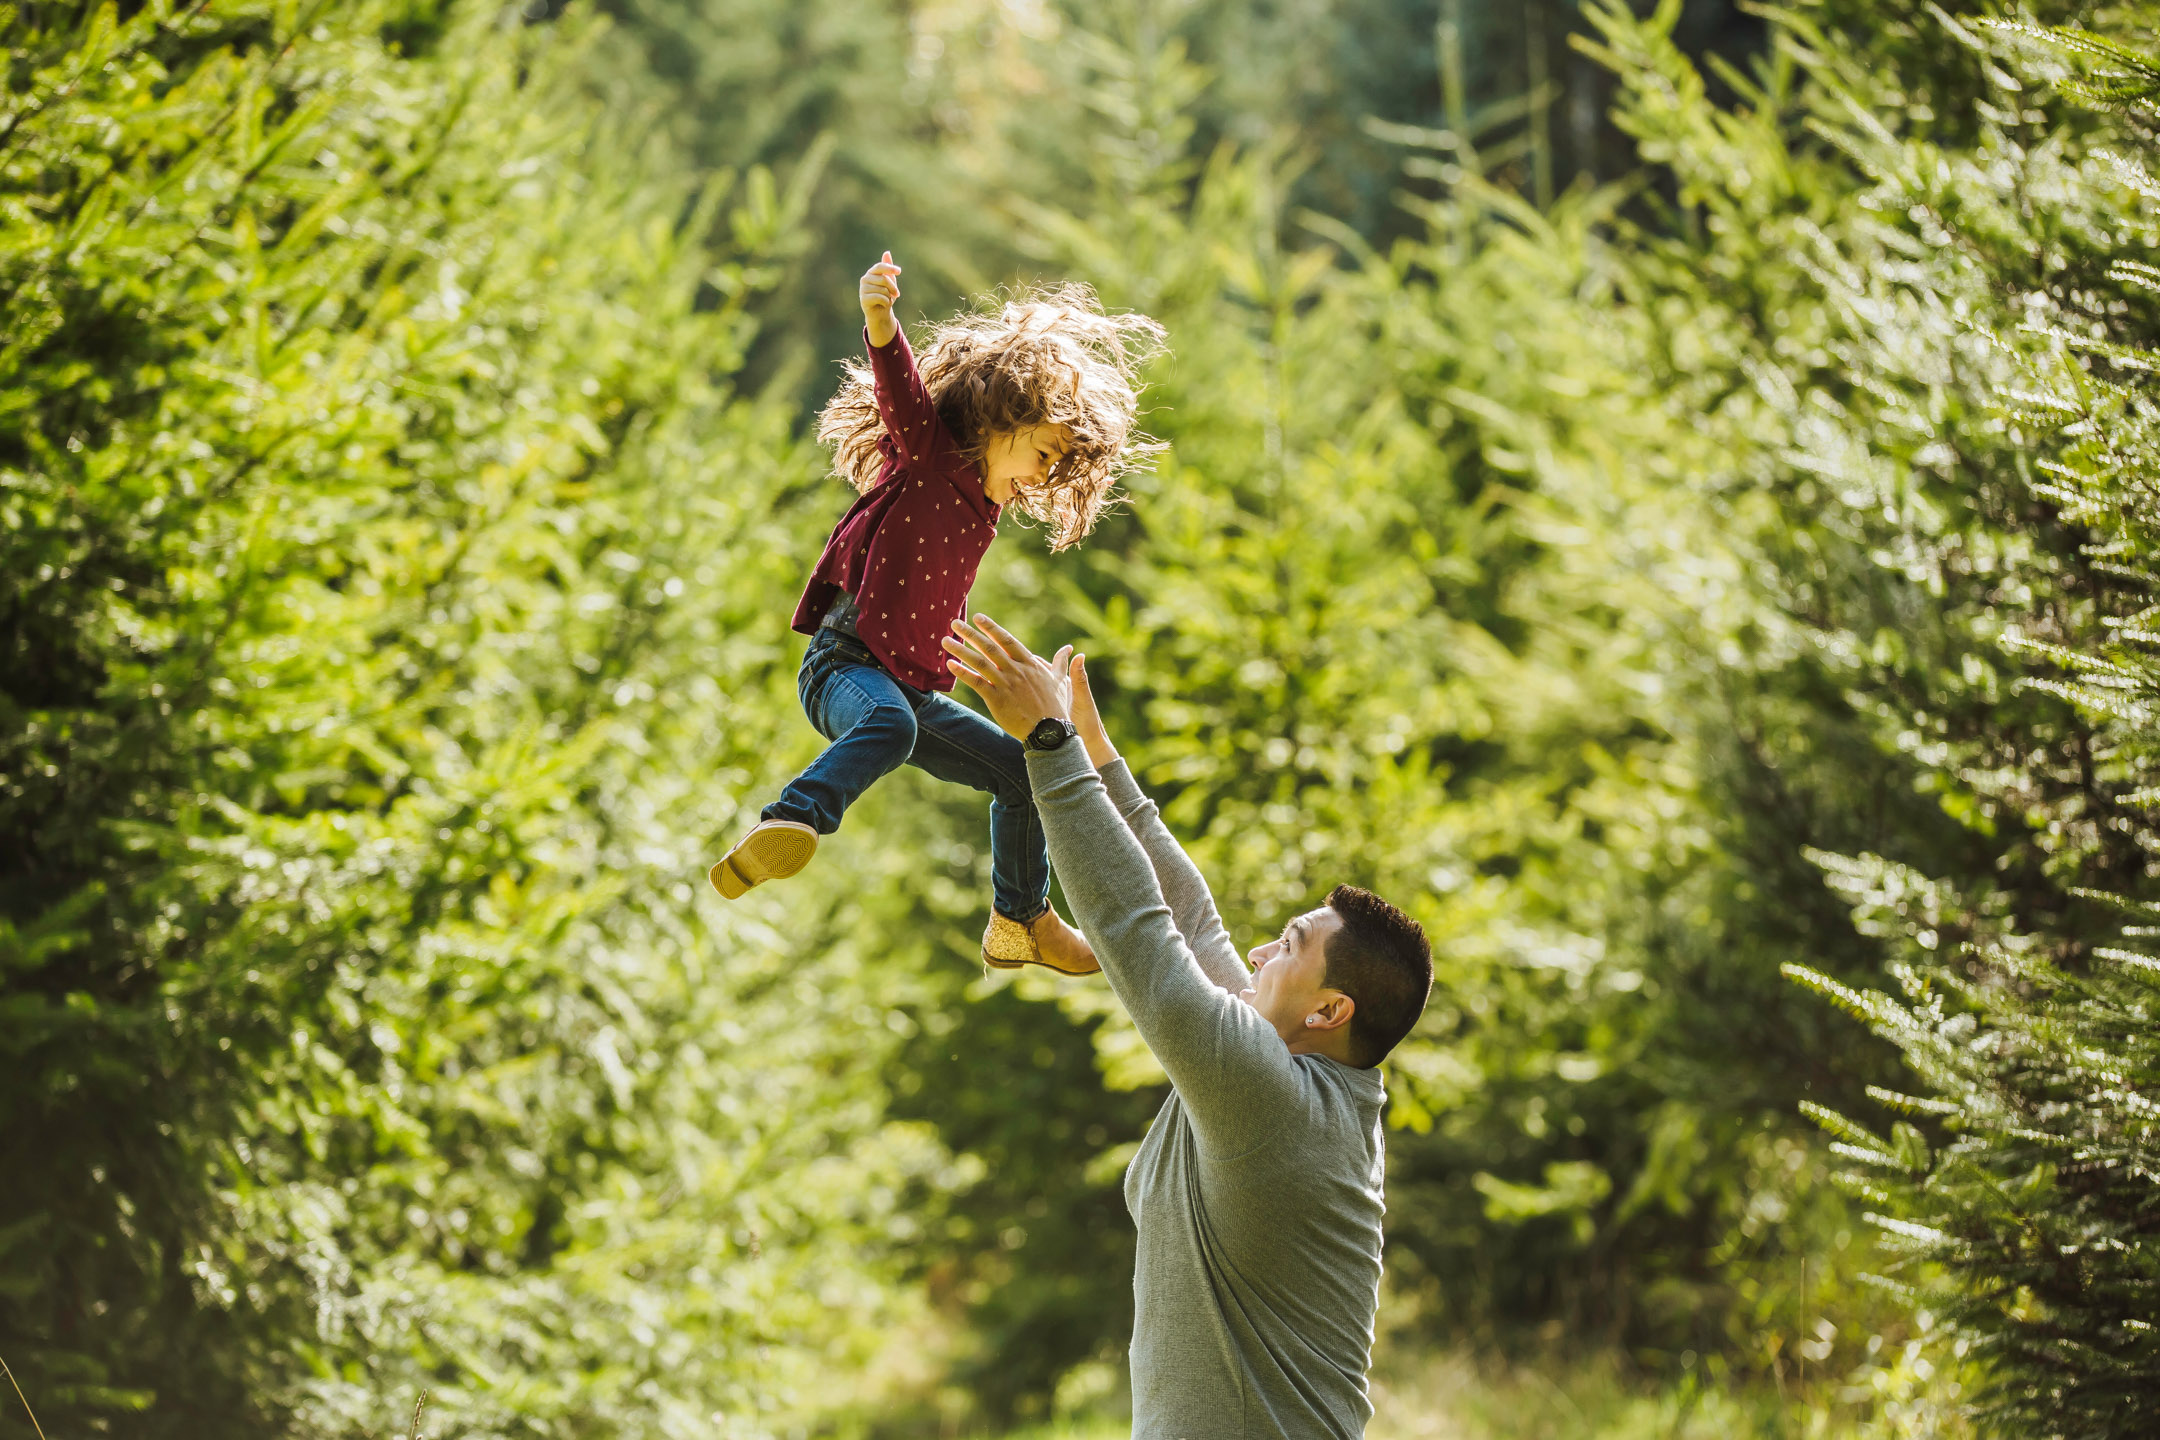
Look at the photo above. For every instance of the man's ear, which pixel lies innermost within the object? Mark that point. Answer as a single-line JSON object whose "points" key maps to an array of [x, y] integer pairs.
{"points": [[1332, 1012]]}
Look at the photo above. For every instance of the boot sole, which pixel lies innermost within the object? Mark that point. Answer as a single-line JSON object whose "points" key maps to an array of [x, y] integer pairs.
{"points": [[1054, 969], [764, 854]]}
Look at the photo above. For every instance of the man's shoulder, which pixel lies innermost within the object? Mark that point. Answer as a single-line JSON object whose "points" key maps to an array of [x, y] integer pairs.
{"points": [[1351, 1080], [1333, 1106]]}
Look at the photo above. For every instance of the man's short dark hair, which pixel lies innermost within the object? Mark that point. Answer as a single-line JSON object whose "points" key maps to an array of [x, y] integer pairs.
{"points": [[1380, 959]]}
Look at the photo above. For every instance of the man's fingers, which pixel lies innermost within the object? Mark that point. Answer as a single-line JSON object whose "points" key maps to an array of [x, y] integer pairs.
{"points": [[980, 651], [980, 684], [968, 635], [1062, 661], [981, 634], [973, 658], [989, 639], [1011, 646]]}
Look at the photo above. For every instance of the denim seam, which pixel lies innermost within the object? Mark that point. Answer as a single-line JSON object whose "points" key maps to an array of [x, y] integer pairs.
{"points": [[857, 689], [971, 753], [1038, 842], [1032, 823], [985, 760]]}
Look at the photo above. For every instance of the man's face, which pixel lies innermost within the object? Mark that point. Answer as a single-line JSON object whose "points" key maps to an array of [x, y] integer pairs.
{"points": [[1290, 972]]}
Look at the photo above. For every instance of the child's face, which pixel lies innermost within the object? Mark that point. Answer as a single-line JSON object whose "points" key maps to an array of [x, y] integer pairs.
{"points": [[1015, 459]]}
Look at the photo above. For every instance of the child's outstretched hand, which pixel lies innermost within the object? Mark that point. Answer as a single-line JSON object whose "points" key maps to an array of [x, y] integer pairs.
{"points": [[880, 289]]}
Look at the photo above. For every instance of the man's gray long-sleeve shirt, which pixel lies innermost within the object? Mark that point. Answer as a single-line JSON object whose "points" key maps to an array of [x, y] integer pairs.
{"points": [[1257, 1193]]}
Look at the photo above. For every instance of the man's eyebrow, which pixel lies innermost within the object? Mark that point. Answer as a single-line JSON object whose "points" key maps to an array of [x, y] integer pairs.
{"points": [[1299, 927]]}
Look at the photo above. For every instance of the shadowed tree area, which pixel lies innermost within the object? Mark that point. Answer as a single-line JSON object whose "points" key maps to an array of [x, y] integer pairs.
{"points": [[1662, 495]]}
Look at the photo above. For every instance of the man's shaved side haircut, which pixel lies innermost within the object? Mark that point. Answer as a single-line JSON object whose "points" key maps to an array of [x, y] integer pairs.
{"points": [[1380, 959]]}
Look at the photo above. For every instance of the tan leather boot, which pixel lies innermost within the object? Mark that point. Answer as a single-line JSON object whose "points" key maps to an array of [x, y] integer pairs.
{"points": [[1046, 941], [773, 850]]}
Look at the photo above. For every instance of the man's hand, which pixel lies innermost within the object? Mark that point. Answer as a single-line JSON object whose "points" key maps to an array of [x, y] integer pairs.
{"points": [[1020, 688], [880, 289], [1086, 718]]}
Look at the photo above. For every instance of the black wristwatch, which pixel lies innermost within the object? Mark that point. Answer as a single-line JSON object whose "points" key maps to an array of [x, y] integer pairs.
{"points": [[1049, 733]]}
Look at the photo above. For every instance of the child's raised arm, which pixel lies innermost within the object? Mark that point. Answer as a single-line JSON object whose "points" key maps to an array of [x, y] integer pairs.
{"points": [[903, 400], [880, 289]]}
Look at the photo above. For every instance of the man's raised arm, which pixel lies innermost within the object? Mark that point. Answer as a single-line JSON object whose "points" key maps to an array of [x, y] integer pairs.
{"points": [[1228, 1064], [1225, 1060], [1184, 888]]}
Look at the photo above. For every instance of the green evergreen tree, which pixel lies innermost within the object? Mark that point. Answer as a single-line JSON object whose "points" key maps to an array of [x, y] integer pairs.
{"points": [[2029, 1023], [1421, 598], [402, 488], [1906, 298], [387, 562]]}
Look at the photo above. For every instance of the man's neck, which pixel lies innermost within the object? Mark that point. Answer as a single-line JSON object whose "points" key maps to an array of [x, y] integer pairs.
{"points": [[1332, 1043]]}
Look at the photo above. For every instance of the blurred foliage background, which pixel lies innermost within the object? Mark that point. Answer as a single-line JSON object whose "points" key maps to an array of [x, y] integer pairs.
{"points": [[1664, 494]]}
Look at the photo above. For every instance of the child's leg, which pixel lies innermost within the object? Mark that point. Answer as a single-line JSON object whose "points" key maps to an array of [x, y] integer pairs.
{"points": [[954, 743], [870, 720]]}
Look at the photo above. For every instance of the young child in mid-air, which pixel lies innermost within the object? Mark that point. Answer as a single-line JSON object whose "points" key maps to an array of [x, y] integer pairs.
{"points": [[1031, 406]]}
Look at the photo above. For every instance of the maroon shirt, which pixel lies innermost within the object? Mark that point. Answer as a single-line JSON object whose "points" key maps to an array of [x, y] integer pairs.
{"points": [[908, 547]]}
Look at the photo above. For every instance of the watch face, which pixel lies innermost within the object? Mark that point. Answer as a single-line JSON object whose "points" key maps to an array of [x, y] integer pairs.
{"points": [[1048, 735]]}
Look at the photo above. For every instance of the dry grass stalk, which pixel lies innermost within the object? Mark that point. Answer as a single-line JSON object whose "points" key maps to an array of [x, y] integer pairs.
{"points": [[22, 1397]]}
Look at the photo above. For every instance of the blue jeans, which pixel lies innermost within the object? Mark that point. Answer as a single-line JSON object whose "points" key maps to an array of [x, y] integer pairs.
{"points": [[876, 724]]}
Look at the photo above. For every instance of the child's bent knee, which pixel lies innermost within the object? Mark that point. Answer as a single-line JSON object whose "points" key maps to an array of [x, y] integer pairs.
{"points": [[892, 730]]}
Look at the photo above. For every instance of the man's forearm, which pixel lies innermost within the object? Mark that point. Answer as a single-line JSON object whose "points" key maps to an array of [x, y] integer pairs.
{"points": [[1111, 885], [1184, 888], [1228, 1063]]}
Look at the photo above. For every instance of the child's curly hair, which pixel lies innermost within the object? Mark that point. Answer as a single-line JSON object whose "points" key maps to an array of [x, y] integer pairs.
{"points": [[1048, 356]]}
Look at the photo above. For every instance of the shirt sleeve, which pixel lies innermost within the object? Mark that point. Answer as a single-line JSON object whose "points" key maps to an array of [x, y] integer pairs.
{"points": [[903, 401], [1184, 888], [1232, 1070]]}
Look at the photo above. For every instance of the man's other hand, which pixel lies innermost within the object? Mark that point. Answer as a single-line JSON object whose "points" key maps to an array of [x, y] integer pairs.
{"points": [[1019, 687], [1086, 718]]}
